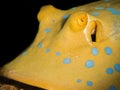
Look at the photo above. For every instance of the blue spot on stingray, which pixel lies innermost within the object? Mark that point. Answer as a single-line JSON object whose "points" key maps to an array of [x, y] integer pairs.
{"points": [[66, 16], [47, 50], [31, 44], [117, 67], [73, 8], [57, 53], [81, 8], [24, 53], [89, 63], [112, 88], [109, 71], [53, 20], [94, 51], [79, 80], [114, 11], [40, 45], [99, 8], [67, 61], [89, 83], [108, 50], [47, 30], [95, 13]]}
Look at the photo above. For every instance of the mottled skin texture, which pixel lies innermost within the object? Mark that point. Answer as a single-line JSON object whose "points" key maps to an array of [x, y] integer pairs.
{"points": [[64, 56]]}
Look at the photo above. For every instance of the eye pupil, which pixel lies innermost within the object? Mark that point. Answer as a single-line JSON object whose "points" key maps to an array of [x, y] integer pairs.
{"points": [[82, 20]]}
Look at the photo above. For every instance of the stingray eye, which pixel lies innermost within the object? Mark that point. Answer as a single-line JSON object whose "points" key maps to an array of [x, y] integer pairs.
{"points": [[81, 20], [78, 21]]}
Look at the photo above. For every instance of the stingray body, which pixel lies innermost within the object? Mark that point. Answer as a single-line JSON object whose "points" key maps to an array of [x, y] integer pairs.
{"points": [[74, 49]]}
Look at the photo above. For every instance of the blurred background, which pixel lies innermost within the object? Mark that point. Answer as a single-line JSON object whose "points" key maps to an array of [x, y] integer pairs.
{"points": [[19, 24]]}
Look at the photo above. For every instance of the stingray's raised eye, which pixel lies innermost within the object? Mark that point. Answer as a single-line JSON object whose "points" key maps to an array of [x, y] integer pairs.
{"points": [[78, 21]]}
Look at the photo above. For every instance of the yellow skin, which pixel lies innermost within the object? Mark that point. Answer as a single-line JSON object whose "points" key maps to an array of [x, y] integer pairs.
{"points": [[63, 55]]}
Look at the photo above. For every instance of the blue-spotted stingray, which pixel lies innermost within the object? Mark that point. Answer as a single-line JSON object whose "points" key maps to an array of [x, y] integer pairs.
{"points": [[74, 49]]}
